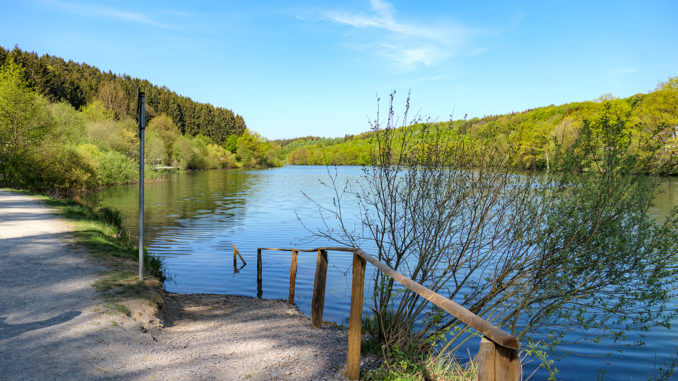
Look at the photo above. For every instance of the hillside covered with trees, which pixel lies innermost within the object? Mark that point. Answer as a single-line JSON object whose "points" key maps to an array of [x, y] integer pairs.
{"points": [[67, 127], [651, 126], [80, 84]]}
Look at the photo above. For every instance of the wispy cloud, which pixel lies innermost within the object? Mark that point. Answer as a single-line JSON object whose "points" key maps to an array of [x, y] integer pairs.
{"points": [[107, 12], [405, 43]]}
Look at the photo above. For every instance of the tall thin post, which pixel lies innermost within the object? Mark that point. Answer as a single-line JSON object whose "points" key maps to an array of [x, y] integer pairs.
{"points": [[142, 126], [235, 262], [497, 363], [293, 276], [260, 289], [236, 251], [318, 301], [355, 318]]}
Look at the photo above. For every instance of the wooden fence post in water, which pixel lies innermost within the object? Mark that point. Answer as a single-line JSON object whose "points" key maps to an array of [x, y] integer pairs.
{"points": [[497, 363], [236, 251], [260, 290], [235, 262], [293, 276], [355, 319], [318, 301]]}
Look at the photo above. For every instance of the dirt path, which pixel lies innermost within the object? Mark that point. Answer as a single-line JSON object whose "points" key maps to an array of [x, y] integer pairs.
{"points": [[53, 325]]}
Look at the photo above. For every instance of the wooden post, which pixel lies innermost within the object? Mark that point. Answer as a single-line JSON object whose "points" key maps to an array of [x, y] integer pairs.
{"points": [[235, 263], [318, 301], [355, 319], [260, 290], [236, 251], [497, 363], [293, 276]]}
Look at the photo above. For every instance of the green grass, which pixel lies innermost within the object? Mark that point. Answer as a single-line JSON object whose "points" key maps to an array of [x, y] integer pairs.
{"points": [[414, 362], [400, 366], [120, 283]]}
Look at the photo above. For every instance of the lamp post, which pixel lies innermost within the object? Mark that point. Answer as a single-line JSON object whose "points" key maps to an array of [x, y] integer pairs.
{"points": [[141, 107]]}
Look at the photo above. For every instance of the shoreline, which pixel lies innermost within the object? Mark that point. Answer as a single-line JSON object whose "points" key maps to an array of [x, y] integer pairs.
{"points": [[114, 326]]}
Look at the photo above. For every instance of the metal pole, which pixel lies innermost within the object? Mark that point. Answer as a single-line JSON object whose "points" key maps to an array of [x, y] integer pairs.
{"points": [[142, 126]]}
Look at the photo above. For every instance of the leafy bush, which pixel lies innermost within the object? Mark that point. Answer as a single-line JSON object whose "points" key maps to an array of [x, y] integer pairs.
{"points": [[219, 157], [574, 250], [154, 149], [255, 152], [65, 169], [112, 135], [24, 121], [116, 168], [163, 127]]}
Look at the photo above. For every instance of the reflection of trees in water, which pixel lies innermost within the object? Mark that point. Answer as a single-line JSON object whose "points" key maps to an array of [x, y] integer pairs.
{"points": [[183, 199], [667, 197]]}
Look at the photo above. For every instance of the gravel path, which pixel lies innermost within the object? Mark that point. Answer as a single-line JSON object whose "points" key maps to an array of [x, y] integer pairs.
{"points": [[54, 326]]}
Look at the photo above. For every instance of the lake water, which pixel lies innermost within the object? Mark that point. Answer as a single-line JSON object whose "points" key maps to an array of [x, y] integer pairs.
{"points": [[192, 219]]}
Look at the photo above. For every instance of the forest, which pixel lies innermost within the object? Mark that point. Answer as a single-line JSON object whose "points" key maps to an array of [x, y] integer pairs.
{"points": [[67, 127], [79, 84], [651, 125]]}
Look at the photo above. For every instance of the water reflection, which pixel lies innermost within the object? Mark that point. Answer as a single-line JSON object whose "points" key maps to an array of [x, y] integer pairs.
{"points": [[192, 219], [667, 195]]}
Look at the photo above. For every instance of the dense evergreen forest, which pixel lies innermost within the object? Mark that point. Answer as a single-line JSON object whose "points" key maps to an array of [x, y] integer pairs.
{"points": [[80, 84], [650, 120], [67, 127]]}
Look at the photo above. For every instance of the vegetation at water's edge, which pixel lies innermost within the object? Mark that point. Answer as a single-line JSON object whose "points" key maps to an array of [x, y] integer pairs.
{"points": [[416, 366], [54, 144], [537, 133], [573, 254], [404, 365]]}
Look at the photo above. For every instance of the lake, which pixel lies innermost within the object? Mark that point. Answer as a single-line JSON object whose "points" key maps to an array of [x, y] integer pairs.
{"points": [[192, 219]]}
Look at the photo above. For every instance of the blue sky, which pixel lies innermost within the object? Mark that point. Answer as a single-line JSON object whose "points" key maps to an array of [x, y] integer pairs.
{"points": [[297, 68]]}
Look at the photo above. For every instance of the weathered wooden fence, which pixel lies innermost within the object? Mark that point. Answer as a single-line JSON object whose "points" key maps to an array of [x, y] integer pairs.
{"points": [[497, 358], [235, 260]]}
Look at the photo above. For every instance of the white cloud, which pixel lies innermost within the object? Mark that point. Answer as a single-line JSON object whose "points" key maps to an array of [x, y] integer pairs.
{"points": [[406, 44], [106, 12], [382, 7]]}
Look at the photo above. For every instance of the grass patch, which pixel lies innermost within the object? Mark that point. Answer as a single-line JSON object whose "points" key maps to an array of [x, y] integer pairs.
{"points": [[118, 308], [402, 366], [120, 283], [120, 286], [413, 362]]}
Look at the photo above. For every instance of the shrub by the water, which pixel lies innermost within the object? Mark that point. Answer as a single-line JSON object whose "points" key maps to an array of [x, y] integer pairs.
{"points": [[56, 148]]}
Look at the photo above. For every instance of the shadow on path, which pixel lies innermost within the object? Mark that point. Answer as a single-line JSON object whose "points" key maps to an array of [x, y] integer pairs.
{"points": [[12, 330]]}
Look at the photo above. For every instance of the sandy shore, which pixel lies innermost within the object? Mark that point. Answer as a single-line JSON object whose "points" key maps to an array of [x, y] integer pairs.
{"points": [[54, 325]]}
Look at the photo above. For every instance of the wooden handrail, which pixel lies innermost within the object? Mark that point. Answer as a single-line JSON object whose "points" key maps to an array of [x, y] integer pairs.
{"points": [[497, 359], [472, 320], [345, 249]]}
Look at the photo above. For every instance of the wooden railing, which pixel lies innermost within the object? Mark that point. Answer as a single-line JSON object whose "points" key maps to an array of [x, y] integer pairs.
{"points": [[236, 269], [497, 358]]}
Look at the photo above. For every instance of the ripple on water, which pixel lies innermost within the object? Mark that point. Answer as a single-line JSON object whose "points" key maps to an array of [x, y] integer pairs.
{"points": [[193, 218]]}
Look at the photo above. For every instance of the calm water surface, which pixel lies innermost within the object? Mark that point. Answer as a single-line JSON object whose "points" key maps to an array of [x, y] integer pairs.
{"points": [[192, 219]]}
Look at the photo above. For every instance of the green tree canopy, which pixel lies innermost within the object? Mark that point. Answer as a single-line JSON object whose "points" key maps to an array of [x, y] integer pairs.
{"points": [[24, 120]]}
